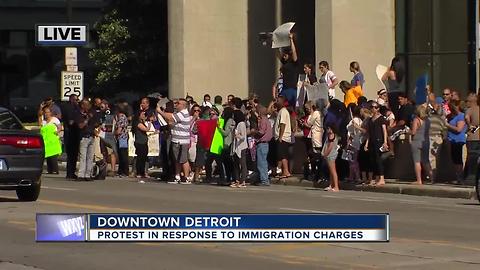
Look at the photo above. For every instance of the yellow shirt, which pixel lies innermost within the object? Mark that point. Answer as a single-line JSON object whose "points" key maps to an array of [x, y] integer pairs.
{"points": [[352, 95]]}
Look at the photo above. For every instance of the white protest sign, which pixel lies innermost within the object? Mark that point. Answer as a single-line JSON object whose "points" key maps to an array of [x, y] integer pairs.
{"points": [[280, 37], [317, 91], [380, 72], [71, 83]]}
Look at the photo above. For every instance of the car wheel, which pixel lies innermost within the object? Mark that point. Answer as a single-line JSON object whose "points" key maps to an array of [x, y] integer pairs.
{"points": [[30, 193]]}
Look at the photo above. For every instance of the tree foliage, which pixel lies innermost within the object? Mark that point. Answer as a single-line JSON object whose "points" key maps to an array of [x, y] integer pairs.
{"points": [[132, 52], [111, 53]]}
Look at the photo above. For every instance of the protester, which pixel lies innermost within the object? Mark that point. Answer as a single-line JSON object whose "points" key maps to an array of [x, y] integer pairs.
{"points": [[327, 76], [206, 101], [457, 129], [330, 153], [436, 134], [315, 122], [51, 138], [180, 139], [290, 70], [87, 122], [141, 125], [419, 143], [382, 98], [308, 108], [354, 143], [283, 136], [264, 135], [352, 93], [472, 116], [218, 104], [121, 137], [393, 78], [366, 166], [377, 143], [227, 133], [358, 79], [239, 150], [71, 113]]}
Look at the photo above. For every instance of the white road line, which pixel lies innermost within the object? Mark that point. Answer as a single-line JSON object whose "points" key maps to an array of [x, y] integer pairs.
{"points": [[59, 188], [304, 210], [365, 199]]}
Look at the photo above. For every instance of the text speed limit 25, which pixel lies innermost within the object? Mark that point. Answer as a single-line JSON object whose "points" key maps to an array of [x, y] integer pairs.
{"points": [[72, 84]]}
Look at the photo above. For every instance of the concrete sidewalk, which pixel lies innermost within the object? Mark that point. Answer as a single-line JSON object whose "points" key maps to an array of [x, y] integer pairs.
{"points": [[394, 186]]}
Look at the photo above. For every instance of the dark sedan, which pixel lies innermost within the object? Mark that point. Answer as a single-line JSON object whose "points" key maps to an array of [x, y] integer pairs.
{"points": [[21, 157]]}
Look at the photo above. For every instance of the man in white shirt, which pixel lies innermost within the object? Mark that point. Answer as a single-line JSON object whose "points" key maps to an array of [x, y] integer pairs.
{"points": [[180, 138], [283, 136]]}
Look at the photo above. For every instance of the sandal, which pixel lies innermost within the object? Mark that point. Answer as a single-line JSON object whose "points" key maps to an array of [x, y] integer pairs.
{"points": [[234, 185], [243, 185], [329, 188]]}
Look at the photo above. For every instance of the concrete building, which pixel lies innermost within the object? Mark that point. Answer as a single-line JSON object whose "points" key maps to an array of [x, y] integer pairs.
{"points": [[214, 46]]}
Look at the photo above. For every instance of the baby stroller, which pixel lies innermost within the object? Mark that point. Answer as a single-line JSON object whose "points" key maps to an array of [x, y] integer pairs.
{"points": [[99, 171]]}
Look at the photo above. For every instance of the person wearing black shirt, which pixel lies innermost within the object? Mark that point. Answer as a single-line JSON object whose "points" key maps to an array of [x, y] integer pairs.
{"points": [[290, 71], [377, 142], [71, 112], [405, 112], [87, 122]]}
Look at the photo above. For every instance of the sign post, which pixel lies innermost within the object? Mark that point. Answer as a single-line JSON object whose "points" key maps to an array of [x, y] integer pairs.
{"points": [[69, 35]]}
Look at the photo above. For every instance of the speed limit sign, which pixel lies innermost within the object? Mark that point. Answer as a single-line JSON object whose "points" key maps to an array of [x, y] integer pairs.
{"points": [[72, 83]]}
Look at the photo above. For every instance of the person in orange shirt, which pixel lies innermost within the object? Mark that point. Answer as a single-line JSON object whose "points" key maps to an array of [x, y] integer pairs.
{"points": [[352, 93]]}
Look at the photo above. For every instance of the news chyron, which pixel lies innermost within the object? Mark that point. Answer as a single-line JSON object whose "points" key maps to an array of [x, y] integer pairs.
{"points": [[212, 228]]}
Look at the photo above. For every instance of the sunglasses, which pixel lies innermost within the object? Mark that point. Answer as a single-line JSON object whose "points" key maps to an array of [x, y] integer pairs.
{"points": [[446, 94], [196, 111]]}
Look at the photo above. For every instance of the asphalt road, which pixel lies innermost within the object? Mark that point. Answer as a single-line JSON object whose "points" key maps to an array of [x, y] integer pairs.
{"points": [[426, 233]]}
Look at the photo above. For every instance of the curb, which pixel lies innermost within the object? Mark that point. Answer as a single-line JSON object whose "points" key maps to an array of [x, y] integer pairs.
{"points": [[390, 187], [395, 188]]}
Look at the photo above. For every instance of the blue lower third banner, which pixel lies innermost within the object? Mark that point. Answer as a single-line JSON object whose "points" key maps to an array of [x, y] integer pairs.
{"points": [[214, 227]]}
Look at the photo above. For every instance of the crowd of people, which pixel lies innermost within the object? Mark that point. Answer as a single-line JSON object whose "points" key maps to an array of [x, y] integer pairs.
{"points": [[348, 140]]}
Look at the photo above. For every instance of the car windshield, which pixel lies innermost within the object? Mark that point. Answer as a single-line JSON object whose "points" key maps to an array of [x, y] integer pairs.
{"points": [[9, 121]]}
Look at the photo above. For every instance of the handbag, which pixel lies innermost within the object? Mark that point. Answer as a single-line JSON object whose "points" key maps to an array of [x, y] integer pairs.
{"points": [[123, 142]]}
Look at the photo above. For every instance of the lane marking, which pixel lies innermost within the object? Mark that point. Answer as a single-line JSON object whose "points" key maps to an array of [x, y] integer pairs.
{"points": [[60, 188], [86, 206], [304, 210]]}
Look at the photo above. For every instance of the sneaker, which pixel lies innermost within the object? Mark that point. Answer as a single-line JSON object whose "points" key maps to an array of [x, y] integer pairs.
{"points": [[187, 182], [177, 177], [141, 182]]}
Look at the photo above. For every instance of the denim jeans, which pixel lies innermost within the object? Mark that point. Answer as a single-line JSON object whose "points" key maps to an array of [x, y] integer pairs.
{"points": [[86, 158], [262, 163]]}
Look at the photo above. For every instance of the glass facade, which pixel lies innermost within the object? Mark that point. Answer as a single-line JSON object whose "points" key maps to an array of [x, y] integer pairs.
{"points": [[438, 37]]}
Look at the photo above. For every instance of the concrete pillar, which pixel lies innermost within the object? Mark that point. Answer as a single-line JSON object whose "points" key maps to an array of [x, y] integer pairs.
{"points": [[208, 49], [352, 30]]}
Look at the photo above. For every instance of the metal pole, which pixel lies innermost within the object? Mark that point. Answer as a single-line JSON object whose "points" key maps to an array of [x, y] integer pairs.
{"points": [[278, 22]]}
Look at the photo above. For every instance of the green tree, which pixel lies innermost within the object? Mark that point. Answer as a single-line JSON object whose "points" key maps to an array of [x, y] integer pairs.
{"points": [[112, 52], [133, 56]]}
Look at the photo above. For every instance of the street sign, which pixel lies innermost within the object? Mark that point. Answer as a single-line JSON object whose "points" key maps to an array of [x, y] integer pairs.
{"points": [[62, 35], [72, 68], [70, 56], [72, 83]]}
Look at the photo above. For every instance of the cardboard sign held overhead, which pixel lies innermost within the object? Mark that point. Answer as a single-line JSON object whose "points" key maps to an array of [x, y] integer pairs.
{"points": [[280, 37]]}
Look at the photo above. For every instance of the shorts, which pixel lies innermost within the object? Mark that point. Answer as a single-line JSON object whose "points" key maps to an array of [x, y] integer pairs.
{"points": [[419, 152], [180, 152], [112, 144], [201, 157], [282, 150], [457, 152]]}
